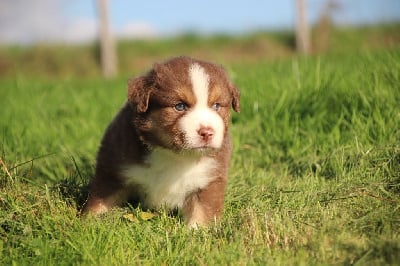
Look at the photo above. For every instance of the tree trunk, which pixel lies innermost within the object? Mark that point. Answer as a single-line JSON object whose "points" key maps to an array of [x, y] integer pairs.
{"points": [[107, 47], [302, 28]]}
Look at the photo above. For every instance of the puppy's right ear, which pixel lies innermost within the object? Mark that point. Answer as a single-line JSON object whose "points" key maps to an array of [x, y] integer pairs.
{"points": [[139, 91]]}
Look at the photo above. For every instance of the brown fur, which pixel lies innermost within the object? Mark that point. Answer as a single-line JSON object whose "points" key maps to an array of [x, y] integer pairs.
{"points": [[147, 121]]}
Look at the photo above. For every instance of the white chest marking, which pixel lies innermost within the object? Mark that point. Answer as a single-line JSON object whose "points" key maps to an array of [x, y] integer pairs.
{"points": [[170, 177]]}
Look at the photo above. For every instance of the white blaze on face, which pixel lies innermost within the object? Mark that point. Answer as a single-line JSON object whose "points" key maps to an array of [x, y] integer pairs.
{"points": [[201, 115]]}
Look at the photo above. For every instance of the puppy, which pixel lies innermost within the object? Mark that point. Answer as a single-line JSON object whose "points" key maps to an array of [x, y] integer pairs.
{"points": [[169, 145]]}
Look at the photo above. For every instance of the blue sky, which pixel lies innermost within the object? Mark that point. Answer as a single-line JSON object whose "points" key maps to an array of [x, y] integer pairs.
{"points": [[24, 21]]}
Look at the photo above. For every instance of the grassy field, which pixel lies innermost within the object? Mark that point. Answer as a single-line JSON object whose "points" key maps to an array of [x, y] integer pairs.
{"points": [[314, 180]]}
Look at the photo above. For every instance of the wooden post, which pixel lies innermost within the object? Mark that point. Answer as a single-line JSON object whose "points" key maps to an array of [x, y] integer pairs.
{"points": [[302, 28], [108, 56]]}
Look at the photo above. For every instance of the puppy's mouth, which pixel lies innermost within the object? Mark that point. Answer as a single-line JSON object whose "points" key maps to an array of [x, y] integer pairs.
{"points": [[202, 150]]}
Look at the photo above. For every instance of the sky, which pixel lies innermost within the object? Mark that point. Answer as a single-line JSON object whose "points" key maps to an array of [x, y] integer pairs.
{"points": [[75, 21]]}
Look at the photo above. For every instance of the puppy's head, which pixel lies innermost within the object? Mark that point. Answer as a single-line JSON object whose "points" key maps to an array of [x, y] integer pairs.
{"points": [[183, 104]]}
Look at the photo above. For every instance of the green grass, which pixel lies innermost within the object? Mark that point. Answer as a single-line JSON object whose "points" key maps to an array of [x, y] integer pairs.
{"points": [[315, 175], [135, 56]]}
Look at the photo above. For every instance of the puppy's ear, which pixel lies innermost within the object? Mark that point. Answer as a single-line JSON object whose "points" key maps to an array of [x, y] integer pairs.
{"points": [[235, 98], [139, 91]]}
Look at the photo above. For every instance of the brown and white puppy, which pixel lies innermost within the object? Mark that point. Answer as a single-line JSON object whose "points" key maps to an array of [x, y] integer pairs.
{"points": [[169, 145]]}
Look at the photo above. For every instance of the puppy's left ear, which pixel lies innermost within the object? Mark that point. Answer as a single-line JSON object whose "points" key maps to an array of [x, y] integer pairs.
{"points": [[139, 91], [235, 98]]}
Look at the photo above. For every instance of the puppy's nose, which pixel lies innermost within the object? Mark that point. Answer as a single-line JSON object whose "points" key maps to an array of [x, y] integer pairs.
{"points": [[206, 133]]}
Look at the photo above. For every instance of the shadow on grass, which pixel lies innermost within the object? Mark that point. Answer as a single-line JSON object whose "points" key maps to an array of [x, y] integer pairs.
{"points": [[74, 188]]}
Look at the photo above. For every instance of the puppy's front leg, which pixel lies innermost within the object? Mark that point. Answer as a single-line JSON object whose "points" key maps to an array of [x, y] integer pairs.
{"points": [[102, 197], [204, 206]]}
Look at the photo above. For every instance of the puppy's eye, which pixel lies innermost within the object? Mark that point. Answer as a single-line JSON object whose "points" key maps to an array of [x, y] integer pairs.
{"points": [[181, 107], [216, 106]]}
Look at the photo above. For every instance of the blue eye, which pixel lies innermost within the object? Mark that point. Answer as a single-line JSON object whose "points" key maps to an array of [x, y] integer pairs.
{"points": [[216, 106], [181, 107]]}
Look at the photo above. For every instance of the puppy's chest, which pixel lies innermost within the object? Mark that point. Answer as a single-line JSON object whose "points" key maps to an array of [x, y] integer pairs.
{"points": [[167, 178]]}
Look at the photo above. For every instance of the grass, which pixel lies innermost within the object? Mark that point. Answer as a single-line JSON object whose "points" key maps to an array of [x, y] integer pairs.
{"points": [[135, 56], [314, 180]]}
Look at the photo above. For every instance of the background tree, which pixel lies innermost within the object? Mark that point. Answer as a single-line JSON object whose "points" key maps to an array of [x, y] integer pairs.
{"points": [[108, 56], [303, 45]]}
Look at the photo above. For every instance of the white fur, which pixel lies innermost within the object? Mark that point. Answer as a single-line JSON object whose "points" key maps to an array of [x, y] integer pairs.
{"points": [[200, 82], [167, 177], [201, 115]]}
